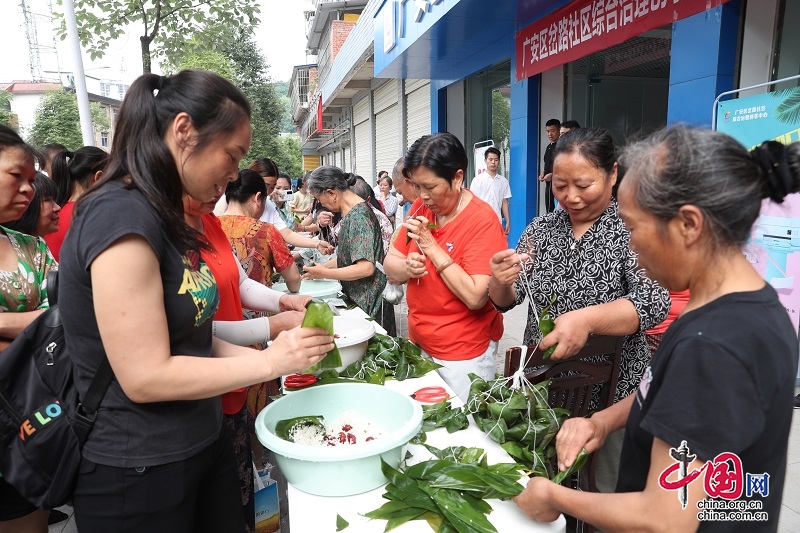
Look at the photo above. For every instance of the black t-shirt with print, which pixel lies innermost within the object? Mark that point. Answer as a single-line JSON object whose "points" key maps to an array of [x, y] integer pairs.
{"points": [[128, 434], [722, 380]]}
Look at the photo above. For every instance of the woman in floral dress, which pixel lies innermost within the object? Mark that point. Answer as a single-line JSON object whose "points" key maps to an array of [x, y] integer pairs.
{"points": [[360, 245], [24, 264]]}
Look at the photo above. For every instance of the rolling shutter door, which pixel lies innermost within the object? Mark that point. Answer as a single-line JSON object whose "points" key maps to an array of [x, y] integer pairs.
{"points": [[363, 150], [361, 111], [387, 140], [418, 111], [346, 165], [385, 96]]}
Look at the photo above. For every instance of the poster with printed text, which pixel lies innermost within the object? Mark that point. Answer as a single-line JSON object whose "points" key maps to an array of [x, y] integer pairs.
{"points": [[774, 246]]}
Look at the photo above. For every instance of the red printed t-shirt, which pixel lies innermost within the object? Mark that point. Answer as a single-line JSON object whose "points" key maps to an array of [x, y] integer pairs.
{"points": [[437, 320], [226, 272], [55, 240]]}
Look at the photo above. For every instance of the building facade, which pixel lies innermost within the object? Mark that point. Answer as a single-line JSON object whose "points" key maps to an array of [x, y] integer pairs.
{"points": [[496, 72], [27, 95]]}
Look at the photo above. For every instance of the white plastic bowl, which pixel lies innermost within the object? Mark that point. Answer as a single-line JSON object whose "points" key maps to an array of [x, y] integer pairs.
{"points": [[341, 470], [352, 336], [316, 288]]}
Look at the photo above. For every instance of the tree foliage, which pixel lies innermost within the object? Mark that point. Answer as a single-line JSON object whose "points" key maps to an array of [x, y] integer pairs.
{"points": [[501, 118], [6, 116], [289, 157], [166, 26], [100, 122], [57, 121], [238, 58]]}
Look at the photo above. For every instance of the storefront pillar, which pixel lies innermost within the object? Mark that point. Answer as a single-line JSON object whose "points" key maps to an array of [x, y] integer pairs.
{"points": [[703, 63], [438, 106], [524, 140]]}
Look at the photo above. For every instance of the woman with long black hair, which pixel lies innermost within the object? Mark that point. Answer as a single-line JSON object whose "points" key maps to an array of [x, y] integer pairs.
{"points": [[135, 289]]}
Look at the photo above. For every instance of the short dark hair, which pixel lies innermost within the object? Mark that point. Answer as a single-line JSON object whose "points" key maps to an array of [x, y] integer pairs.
{"points": [[491, 150], [441, 153], [387, 178], [265, 166], [139, 154], [11, 139], [570, 124], [594, 144], [553, 122], [44, 189]]}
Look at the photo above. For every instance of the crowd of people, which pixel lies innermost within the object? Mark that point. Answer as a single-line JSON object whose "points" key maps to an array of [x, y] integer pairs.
{"points": [[175, 291]]}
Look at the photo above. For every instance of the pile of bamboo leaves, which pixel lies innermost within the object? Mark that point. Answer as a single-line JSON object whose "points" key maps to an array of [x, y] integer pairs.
{"points": [[389, 357], [519, 419], [448, 492]]}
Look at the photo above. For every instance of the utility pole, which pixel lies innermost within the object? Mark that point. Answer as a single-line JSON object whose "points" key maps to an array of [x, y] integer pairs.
{"points": [[80, 80]]}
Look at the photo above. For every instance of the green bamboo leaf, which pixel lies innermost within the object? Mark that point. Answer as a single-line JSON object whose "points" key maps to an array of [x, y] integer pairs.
{"points": [[284, 428], [320, 315], [386, 510], [462, 516], [402, 517], [341, 523], [577, 464]]}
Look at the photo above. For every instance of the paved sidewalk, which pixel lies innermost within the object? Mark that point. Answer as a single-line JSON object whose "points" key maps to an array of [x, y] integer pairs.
{"points": [[515, 321]]}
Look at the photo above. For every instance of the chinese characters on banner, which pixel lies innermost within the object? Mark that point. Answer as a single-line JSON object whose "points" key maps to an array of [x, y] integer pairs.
{"points": [[587, 26]]}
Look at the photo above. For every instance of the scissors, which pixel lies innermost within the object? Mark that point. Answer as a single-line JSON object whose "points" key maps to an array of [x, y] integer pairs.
{"points": [[430, 395], [299, 381]]}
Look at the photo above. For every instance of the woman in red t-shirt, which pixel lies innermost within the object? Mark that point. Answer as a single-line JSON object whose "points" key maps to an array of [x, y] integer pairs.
{"points": [[235, 289], [443, 251], [73, 173]]}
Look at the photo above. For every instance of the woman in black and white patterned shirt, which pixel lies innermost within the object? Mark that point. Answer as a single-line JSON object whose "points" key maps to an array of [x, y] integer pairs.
{"points": [[580, 256]]}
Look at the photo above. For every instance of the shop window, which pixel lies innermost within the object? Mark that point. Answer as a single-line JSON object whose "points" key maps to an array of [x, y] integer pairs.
{"points": [[786, 62]]}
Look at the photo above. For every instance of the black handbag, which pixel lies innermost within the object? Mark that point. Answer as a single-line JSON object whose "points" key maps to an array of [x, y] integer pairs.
{"points": [[43, 423]]}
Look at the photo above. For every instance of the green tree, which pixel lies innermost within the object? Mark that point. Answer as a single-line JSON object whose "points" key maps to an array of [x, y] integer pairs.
{"points": [[238, 58], [501, 118], [282, 90], [56, 120], [167, 26], [6, 116], [100, 122], [289, 156]]}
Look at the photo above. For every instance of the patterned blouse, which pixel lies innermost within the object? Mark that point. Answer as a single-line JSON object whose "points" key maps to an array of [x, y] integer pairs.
{"points": [[597, 268], [360, 238], [258, 246], [25, 289]]}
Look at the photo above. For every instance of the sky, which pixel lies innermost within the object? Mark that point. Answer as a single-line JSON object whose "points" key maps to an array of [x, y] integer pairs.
{"points": [[281, 37]]}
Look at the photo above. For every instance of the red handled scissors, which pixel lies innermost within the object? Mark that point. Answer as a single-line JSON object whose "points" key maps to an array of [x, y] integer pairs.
{"points": [[298, 381], [430, 395]]}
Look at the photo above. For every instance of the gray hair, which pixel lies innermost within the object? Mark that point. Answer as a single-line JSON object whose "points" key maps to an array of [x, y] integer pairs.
{"points": [[329, 177], [682, 165]]}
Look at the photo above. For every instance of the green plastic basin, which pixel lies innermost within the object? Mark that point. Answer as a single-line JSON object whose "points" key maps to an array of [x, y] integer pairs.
{"points": [[341, 470]]}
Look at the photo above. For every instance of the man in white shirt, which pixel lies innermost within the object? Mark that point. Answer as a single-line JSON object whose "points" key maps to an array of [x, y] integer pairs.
{"points": [[493, 188]]}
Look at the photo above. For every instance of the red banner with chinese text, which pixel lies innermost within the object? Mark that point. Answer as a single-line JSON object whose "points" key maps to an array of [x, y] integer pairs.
{"points": [[587, 26]]}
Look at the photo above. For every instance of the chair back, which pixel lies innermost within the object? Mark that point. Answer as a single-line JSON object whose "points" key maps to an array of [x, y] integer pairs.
{"points": [[572, 382], [574, 379]]}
